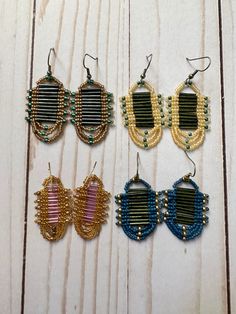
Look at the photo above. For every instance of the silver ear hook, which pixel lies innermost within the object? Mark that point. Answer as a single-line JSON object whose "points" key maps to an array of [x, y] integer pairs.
{"points": [[191, 76], [187, 176], [149, 60], [49, 65], [136, 177], [49, 169], [89, 76], [94, 166]]}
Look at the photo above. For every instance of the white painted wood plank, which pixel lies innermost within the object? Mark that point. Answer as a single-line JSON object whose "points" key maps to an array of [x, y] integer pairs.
{"points": [[229, 63], [113, 274], [15, 25], [81, 275], [177, 277]]}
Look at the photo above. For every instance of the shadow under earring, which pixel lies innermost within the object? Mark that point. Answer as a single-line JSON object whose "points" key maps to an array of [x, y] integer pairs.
{"points": [[91, 110], [139, 210], [143, 112], [53, 208], [90, 207], [188, 113], [47, 104], [186, 209]]}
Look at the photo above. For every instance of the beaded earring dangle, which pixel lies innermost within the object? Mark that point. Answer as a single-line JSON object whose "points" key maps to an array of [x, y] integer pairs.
{"points": [[47, 104], [188, 113], [143, 112], [90, 207], [185, 207], [53, 208], [139, 210], [91, 109]]}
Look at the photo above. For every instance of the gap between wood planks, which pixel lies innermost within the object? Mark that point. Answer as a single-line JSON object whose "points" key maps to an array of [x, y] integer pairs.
{"points": [[27, 167], [224, 153]]}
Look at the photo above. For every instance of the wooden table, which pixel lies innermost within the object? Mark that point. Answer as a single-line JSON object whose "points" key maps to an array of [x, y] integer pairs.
{"points": [[112, 274]]}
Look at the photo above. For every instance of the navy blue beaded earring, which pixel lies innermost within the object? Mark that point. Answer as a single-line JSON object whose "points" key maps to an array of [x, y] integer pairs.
{"points": [[139, 211], [185, 213]]}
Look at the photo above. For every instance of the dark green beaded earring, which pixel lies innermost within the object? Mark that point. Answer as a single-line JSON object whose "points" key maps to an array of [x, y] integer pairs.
{"points": [[47, 104], [188, 113], [91, 109]]}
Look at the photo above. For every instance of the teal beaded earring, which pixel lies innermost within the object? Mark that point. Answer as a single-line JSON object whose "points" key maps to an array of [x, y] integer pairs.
{"points": [[139, 210], [185, 207], [47, 104]]}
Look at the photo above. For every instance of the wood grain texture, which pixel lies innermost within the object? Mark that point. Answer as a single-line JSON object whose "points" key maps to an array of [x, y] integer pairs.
{"points": [[228, 11], [15, 60], [112, 274]]}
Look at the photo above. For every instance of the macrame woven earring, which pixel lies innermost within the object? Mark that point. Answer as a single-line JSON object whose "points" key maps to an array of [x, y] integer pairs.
{"points": [[186, 209], [139, 212], [53, 209], [90, 207], [143, 113], [188, 114], [46, 107], [91, 110]]}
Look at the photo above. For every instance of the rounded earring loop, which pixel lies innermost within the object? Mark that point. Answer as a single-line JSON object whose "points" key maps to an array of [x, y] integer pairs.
{"points": [[190, 174], [149, 60], [49, 65], [191, 76], [89, 76]]}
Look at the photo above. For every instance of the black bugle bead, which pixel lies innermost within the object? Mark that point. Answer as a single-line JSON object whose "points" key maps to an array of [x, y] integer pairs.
{"points": [[187, 95], [90, 123], [89, 90], [144, 223], [144, 125]]}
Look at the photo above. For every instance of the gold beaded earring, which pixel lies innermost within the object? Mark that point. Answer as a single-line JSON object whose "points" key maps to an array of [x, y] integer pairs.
{"points": [[53, 208], [91, 109], [46, 106], [90, 207], [188, 113], [143, 112]]}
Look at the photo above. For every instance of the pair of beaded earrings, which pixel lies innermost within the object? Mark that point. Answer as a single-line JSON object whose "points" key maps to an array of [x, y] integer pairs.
{"points": [[90, 108], [187, 114], [57, 207], [140, 208]]}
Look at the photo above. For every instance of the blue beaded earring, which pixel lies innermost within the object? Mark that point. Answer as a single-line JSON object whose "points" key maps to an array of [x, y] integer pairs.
{"points": [[185, 207], [139, 210]]}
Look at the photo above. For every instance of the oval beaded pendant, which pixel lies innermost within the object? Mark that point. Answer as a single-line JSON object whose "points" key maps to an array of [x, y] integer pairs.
{"points": [[138, 213], [53, 209], [90, 207], [91, 111], [188, 117], [47, 112], [143, 114], [185, 209]]}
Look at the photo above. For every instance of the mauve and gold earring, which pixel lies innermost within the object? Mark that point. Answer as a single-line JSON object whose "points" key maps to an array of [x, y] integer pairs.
{"points": [[53, 208], [90, 207]]}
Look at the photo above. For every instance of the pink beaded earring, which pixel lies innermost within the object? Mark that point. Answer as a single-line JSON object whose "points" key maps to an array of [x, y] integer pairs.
{"points": [[90, 207], [53, 208]]}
